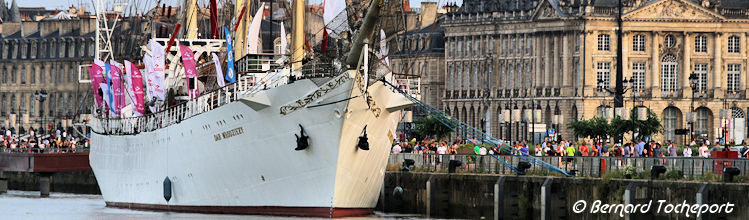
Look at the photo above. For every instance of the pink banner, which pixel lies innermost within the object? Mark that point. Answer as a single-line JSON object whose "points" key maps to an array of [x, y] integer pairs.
{"points": [[96, 77], [118, 88], [191, 74], [137, 83]]}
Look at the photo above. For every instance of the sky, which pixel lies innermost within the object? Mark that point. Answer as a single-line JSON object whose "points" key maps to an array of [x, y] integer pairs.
{"points": [[64, 4]]}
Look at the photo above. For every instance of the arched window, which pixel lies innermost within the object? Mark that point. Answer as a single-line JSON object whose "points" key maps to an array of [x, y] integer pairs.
{"points": [[2, 107], [13, 103], [23, 75], [671, 117], [702, 125], [669, 75]]}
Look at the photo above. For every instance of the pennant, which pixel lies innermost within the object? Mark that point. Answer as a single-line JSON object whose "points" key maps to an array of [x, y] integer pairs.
{"points": [[110, 95], [230, 58], [384, 48], [191, 73], [137, 89], [284, 42], [95, 75], [117, 89], [219, 73], [324, 45]]}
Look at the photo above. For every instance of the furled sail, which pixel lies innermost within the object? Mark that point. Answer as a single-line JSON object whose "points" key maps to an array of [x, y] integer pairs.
{"points": [[253, 34]]}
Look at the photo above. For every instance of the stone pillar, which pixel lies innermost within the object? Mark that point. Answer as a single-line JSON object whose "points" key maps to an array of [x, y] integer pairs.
{"points": [[499, 200], [44, 184], [546, 199], [718, 66], [701, 198], [687, 67], [567, 73], [656, 69], [629, 197], [548, 60], [537, 79], [557, 72]]}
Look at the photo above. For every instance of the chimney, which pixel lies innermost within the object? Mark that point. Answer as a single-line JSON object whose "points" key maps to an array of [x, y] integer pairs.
{"points": [[428, 13]]}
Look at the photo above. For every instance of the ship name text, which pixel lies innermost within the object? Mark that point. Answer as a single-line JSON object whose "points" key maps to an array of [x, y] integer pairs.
{"points": [[228, 134]]}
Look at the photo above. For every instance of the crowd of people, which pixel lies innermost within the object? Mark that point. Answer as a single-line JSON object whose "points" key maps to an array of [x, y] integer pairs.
{"points": [[638, 148], [33, 142]]}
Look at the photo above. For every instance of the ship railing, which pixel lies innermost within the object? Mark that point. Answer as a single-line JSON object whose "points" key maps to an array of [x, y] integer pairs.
{"points": [[175, 114]]}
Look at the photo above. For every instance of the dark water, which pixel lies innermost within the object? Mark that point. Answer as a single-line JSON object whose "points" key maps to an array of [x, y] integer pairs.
{"points": [[28, 205]]}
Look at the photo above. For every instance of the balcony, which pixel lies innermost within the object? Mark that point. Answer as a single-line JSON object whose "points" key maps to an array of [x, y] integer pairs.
{"points": [[556, 92], [447, 95], [547, 92], [539, 92], [508, 93], [463, 94], [515, 93], [472, 94], [499, 93], [736, 94], [675, 93]]}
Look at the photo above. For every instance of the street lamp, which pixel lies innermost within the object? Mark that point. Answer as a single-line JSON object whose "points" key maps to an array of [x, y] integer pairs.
{"points": [[41, 96], [693, 80]]}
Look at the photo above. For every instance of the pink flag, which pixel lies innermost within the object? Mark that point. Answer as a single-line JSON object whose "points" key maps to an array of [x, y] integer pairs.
{"points": [[137, 84], [191, 74], [96, 77], [118, 88]]}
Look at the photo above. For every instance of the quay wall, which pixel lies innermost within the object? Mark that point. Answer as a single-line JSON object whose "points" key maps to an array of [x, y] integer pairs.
{"points": [[472, 196], [82, 182]]}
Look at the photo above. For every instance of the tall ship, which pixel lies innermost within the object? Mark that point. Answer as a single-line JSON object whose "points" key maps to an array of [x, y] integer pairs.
{"points": [[277, 140]]}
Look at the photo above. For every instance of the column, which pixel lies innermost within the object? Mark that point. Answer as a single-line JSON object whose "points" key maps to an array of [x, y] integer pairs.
{"points": [[687, 68], [537, 79], [555, 72], [717, 67], [547, 60], [625, 44], [566, 91], [654, 83]]}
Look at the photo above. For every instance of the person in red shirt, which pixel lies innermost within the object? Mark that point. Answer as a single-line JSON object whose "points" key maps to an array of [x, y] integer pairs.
{"points": [[584, 149]]}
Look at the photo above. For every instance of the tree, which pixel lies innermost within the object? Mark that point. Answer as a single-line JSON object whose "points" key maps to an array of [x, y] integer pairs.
{"points": [[597, 127], [651, 125], [431, 127]]}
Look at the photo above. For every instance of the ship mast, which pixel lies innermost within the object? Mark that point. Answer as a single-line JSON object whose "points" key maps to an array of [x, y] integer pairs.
{"points": [[241, 33], [297, 34], [104, 31], [191, 17]]}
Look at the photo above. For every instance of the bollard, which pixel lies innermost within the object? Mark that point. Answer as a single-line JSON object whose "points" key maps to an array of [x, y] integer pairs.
{"points": [[43, 185]]}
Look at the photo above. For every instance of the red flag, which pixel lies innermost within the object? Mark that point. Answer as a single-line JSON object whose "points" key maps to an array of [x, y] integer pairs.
{"points": [[324, 40]]}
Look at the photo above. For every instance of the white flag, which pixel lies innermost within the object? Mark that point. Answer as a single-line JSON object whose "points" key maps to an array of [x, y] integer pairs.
{"points": [[157, 63], [219, 73], [253, 34], [284, 43]]}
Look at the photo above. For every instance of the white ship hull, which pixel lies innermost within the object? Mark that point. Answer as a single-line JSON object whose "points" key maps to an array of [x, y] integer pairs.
{"points": [[235, 159]]}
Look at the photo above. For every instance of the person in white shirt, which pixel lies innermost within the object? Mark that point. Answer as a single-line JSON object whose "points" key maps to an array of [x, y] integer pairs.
{"points": [[704, 152], [687, 152], [482, 150], [442, 149], [397, 149]]}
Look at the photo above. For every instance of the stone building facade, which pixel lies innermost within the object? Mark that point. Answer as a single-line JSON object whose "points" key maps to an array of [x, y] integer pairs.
{"points": [[507, 59], [48, 55], [422, 56]]}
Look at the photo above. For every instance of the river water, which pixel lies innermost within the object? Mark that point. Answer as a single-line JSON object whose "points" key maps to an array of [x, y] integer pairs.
{"points": [[28, 205]]}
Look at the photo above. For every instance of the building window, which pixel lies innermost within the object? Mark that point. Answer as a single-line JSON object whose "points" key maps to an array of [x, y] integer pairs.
{"points": [[577, 43], [13, 103], [638, 77], [700, 44], [460, 48], [669, 74], [512, 45], [2, 107], [702, 125], [5, 75], [468, 47], [521, 48], [700, 70], [734, 78], [71, 77], [504, 45], [13, 78], [476, 47], [603, 112], [23, 75], [491, 45], [604, 41], [604, 74], [528, 45], [638, 43], [734, 44], [670, 123], [22, 102], [669, 41]]}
